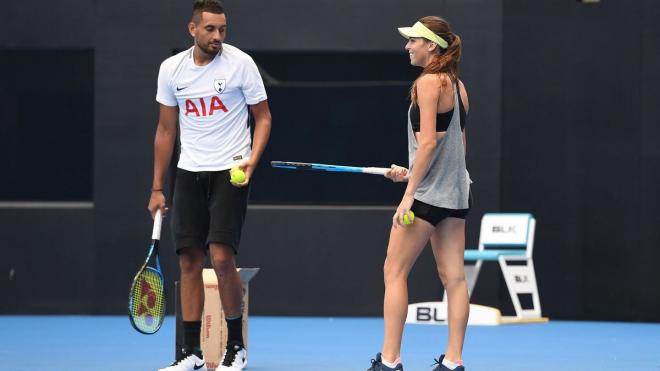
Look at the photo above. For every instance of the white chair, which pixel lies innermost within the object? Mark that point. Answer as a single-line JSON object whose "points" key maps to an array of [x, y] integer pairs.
{"points": [[509, 239]]}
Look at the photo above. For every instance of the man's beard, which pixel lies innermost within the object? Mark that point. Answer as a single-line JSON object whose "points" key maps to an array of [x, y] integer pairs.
{"points": [[206, 49]]}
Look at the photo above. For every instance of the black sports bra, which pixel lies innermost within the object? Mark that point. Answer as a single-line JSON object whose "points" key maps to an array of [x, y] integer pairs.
{"points": [[443, 119]]}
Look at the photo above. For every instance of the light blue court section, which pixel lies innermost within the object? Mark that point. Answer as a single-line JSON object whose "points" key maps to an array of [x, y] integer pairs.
{"points": [[102, 343]]}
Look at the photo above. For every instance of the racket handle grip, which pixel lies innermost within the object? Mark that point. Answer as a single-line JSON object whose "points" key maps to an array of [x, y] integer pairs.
{"points": [[375, 170], [158, 221]]}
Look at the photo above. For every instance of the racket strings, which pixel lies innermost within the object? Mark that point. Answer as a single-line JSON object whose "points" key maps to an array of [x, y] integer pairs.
{"points": [[148, 301]]}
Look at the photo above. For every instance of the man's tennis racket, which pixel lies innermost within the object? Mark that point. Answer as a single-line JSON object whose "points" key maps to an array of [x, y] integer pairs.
{"points": [[146, 301], [325, 167]]}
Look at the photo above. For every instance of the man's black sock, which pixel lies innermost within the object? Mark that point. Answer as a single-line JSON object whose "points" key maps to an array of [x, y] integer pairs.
{"points": [[235, 330], [191, 331]]}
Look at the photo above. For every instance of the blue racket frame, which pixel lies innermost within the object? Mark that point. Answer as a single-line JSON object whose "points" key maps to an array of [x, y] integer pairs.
{"points": [[326, 167]]}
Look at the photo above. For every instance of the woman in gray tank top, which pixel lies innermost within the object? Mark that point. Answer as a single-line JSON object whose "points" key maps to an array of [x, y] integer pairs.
{"points": [[438, 191]]}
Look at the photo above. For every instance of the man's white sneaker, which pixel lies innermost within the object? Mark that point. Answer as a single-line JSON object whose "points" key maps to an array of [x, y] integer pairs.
{"points": [[234, 359], [188, 362]]}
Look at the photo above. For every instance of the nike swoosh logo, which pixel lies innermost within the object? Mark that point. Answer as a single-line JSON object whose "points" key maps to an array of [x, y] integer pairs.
{"points": [[195, 367], [179, 89]]}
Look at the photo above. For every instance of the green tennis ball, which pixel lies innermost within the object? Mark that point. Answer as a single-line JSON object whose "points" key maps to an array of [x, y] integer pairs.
{"points": [[237, 175], [408, 218]]}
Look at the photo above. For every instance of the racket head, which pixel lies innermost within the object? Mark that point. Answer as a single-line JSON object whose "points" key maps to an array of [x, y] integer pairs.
{"points": [[146, 301], [292, 165], [316, 166]]}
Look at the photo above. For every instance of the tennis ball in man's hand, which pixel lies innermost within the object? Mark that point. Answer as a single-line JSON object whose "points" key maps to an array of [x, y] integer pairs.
{"points": [[408, 218], [237, 175]]}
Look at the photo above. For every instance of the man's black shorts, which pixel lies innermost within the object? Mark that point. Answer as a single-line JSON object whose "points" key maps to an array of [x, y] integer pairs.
{"points": [[207, 209]]}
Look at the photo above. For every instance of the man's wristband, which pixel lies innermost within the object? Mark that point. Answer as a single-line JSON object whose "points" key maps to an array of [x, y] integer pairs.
{"points": [[156, 190]]}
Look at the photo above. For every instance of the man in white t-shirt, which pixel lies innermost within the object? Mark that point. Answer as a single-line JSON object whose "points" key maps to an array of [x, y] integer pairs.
{"points": [[210, 88]]}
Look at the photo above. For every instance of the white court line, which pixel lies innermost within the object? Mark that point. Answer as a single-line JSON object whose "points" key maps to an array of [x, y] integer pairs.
{"points": [[322, 207], [46, 205], [90, 205]]}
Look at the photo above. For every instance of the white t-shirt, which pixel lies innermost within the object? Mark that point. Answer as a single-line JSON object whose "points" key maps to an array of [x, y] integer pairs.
{"points": [[213, 106]]}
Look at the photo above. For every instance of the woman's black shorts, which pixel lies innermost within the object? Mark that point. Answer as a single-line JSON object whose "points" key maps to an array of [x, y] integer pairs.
{"points": [[435, 215]]}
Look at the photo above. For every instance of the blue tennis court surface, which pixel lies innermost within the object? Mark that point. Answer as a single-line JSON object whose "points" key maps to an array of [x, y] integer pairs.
{"points": [[100, 343]]}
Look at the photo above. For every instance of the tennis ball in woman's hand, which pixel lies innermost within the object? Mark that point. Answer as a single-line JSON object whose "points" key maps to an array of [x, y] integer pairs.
{"points": [[408, 218], [237, 175]]}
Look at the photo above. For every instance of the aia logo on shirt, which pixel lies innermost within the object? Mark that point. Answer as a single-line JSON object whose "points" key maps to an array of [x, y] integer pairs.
{"points": [[204, 107]]}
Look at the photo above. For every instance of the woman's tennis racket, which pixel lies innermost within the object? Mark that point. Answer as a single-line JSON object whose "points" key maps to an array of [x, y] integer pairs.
{"points": [[146, 301], [325, 167]]}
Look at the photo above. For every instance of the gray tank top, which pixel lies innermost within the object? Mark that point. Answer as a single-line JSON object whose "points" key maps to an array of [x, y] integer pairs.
{"points": [[447, 182]]}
